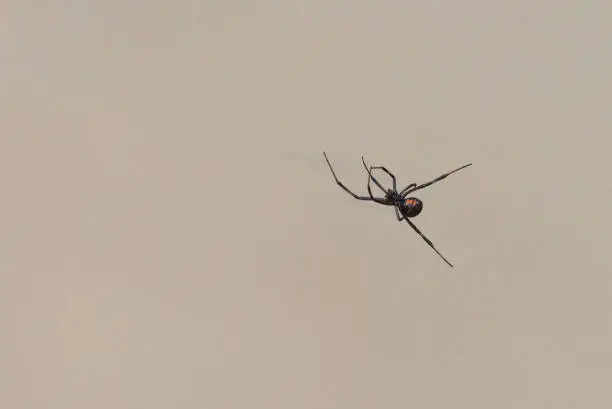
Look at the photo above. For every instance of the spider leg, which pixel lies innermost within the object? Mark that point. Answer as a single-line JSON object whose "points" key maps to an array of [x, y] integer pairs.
{"points": [[369, 170], [370, 177], [383, 169], [439, 178], [416, 229], [399, 216], [406, 190], [381, 201], [372, 198]]}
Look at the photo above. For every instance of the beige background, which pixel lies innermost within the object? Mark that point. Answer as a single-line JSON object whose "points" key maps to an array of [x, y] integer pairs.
{"points": [[172, 238]]}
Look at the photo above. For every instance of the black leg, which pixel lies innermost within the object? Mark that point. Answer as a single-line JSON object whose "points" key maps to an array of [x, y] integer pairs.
{"points": [[371, 168], [406, 190], [399, 216], [384, 201], [347, 189], [439, 178], [377, 200], [428, 241], [371, 177]]}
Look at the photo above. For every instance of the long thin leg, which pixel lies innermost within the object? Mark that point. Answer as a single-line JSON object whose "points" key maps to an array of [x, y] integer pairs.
{"points": [[439, 178], [347, 189], [399, 216], [428, 241], [371, 177], [371, 168], [406, 190], [381, 201]]}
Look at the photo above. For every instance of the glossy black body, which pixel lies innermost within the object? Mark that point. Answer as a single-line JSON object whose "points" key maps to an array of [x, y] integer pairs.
{"points": [[405, 207]]}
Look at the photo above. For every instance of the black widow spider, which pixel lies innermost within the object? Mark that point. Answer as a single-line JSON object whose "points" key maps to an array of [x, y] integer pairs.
{"points": [[405, 207]]}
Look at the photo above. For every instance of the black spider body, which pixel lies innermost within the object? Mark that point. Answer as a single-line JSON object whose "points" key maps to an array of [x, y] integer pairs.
{"points": [[411, 207], [405, 207]]}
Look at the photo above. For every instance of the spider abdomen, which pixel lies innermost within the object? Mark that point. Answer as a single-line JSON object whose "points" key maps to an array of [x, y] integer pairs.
{"points": [[412, 207]]}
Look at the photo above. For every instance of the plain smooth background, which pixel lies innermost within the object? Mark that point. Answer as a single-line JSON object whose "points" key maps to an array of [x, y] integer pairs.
{"points": [[172, 237]]}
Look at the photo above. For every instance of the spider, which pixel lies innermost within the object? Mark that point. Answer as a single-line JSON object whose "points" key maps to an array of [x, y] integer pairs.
{"points": [[405, 207]]}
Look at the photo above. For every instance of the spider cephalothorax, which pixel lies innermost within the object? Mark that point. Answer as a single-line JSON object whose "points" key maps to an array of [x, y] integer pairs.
{"points": [[405, 207]]}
